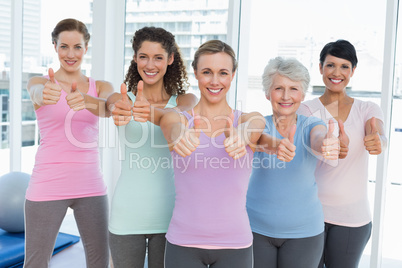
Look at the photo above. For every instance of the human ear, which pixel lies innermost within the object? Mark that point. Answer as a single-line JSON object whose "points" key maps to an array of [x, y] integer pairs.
{"points": [[353, 71], [171, 59]]}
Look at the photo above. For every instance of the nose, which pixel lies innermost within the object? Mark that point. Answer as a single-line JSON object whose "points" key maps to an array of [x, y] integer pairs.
{"points": [[70, 53], [285, 94], [150, 64], [214, 80], [337, 71]]}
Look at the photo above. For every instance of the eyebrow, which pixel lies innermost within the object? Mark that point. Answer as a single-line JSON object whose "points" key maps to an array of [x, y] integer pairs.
{"points": [[209, 69], [78, 44], [142, 53], [343, 63]]}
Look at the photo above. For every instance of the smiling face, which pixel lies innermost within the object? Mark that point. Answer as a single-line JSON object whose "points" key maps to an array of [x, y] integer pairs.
{"points": [[285, 96], [214, 74], [71, 49], [152, 62], [336, 73]]}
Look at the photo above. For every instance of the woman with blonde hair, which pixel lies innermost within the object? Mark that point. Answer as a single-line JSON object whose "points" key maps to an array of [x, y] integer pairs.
{"points": [[212, 147]]}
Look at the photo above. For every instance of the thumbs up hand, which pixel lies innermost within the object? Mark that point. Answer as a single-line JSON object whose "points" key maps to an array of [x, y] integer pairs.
{"points": [[189, 139], [234, 143], [52, 90], [344, 141], [141, 108], [75, 99], [372, 141], [121, 109], [330, 146], [286, 149]]}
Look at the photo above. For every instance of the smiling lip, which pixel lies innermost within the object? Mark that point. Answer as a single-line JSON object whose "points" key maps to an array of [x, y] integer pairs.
{"points": [[71, 62], [214, 91], [335, 81], [150, 74], [285, 104]]}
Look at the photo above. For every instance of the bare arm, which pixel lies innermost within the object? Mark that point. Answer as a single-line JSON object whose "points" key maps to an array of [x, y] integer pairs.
{"points": [[251, 125], [317, 136], [324, 143], [43, 91], [96, 105], [120, 106], [185, 102], [180, 138], [268, 144], [248, 131], [100, 108]]}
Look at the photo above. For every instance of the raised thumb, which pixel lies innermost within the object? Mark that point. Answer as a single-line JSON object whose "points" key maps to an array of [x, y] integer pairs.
{"points": [[292, 134], [73, 87], [229, 126], [140, 88], [123, 92], [331, 128], [373, 125], [51, 75], [196, 126], [341, 127]]}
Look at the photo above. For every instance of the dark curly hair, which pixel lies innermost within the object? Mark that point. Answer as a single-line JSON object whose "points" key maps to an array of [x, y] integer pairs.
{"points": [[175, 80]]}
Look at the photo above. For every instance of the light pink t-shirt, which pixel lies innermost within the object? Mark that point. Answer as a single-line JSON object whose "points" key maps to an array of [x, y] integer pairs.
{"points": [[67, 163], [342, 184]]}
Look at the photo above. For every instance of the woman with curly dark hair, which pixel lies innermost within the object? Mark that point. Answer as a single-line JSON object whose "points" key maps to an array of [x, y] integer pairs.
{"points": [[143, 200]]}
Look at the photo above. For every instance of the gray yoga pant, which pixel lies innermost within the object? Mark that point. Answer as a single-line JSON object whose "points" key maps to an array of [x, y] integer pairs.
{"points": [[287, 253], [129, 251], [344, 246], [186, 257], [43, 220]]}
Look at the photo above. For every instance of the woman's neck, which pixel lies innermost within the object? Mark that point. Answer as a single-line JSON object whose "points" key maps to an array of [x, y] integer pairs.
{"points": [[212, 110], [283, 123], [156, 93], [69, 77], [330, 97]]}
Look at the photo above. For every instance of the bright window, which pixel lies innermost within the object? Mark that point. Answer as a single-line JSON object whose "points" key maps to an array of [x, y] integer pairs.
{"points": [[39, 19], [300, 29], [192, 25]]}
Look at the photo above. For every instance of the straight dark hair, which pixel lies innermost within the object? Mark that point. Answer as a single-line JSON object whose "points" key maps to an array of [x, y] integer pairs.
{"points": [[341, 49]]}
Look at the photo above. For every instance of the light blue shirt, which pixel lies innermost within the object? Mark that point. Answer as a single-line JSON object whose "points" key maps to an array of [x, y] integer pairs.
{"points": [[143, 200], [282, 200]]}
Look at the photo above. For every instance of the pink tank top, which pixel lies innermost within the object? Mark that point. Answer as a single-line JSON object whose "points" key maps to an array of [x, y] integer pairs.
{"points": [[67, 163], [211, 187]]}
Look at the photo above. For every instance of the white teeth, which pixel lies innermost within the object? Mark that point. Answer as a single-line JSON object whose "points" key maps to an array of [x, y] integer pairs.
{"points": [[286, 104], [214, 90], [336, 80], [149, 73]]}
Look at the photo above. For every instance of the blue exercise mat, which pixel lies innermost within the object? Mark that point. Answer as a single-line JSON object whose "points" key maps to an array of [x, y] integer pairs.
{"points": [[12, 247]]}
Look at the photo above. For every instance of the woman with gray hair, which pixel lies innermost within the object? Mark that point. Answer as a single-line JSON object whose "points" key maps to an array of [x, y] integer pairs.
{"points": [[285, 213]]}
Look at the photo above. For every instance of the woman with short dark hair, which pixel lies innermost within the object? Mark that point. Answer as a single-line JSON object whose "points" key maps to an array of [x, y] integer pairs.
{"points": [[342, 185]]}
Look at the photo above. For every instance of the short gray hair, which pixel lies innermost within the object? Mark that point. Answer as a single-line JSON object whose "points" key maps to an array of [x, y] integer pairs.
{"points": [[290, 68]]}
